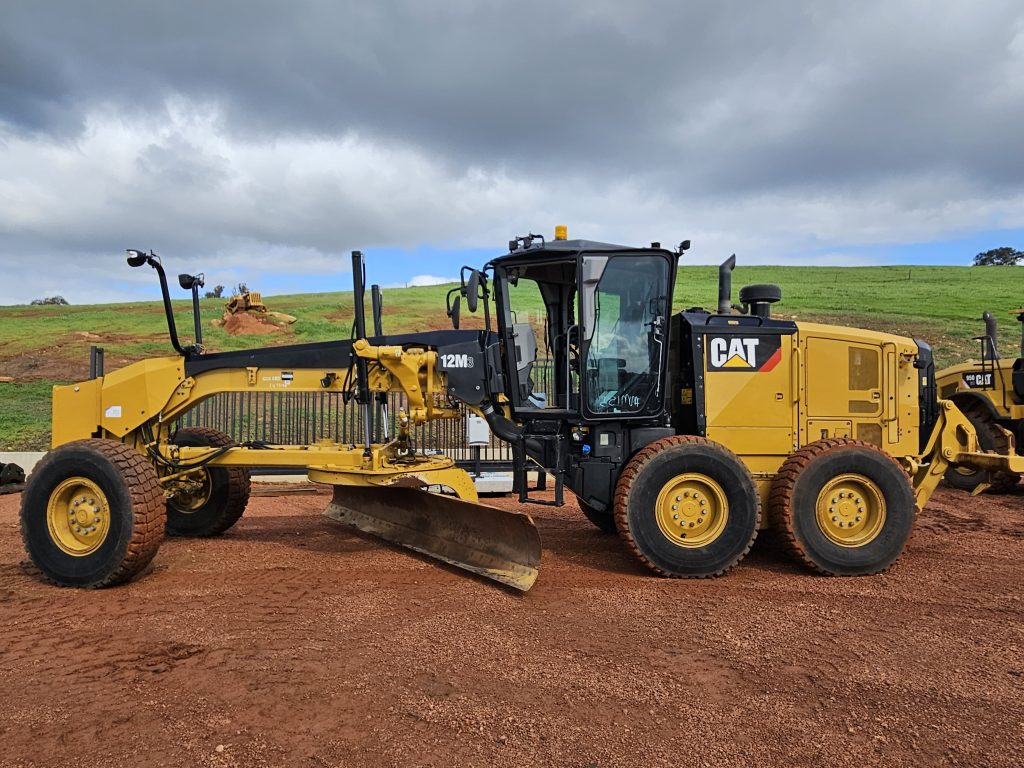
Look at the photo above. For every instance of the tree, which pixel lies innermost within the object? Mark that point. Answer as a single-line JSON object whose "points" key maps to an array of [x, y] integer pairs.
{"points": [[216, 293], [998, 257], [49, 300]]}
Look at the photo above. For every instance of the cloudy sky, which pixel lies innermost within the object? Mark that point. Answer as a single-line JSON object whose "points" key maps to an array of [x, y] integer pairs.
{"points": [[262, 141]]}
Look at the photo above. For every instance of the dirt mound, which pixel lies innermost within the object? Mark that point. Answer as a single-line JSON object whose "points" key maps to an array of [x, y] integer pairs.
{"points": [[246, 324]]}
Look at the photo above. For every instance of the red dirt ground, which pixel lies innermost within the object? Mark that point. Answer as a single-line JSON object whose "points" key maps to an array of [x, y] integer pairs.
{"points": [[290, 641]]}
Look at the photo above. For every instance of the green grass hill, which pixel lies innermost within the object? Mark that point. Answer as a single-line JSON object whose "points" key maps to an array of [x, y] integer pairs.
{"points": [[44, 345]]}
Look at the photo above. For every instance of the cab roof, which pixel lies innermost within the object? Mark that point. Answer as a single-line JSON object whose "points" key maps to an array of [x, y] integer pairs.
{"points": [[568, 248]]}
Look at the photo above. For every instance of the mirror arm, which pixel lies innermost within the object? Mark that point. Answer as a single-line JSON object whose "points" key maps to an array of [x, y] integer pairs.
{"points": [[172, 328]]}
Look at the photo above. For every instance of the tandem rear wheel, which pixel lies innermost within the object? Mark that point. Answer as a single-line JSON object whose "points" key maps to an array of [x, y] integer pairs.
{"points": [[843, 507], [92, 514], [687, 507]]}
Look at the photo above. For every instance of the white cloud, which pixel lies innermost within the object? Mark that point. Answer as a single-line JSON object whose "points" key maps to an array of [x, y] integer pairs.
{"points": [[417, 280]]}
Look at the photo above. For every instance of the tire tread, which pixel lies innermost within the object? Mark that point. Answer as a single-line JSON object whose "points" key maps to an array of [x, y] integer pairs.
{"points": [[239, 484], [780, 506], [148, 507], [629, 477]]}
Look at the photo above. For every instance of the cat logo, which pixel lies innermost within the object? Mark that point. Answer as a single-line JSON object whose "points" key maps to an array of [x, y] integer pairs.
{"points": [[733, 353], [743, 353], [979, 380]]}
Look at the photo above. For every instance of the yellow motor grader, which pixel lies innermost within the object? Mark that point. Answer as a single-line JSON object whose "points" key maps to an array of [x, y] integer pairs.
{"points": [[685, 432]]}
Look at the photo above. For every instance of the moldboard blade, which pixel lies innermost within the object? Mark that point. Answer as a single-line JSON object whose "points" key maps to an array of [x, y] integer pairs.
{"points": [[499, 545]]}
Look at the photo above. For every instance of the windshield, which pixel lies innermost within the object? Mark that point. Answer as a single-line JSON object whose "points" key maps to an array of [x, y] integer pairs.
{"points": [[623, 360]]}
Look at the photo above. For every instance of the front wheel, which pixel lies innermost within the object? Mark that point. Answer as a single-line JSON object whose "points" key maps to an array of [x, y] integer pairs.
{"points": [[217, 503], [92, 514], [687, 507], [844, 507]]}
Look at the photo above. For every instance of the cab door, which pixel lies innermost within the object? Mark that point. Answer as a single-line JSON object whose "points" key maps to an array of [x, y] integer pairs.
{"points": [[625, 302]]}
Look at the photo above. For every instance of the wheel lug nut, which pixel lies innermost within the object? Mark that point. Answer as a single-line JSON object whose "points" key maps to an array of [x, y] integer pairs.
{"points": [[700, 519], [691, 525], [679, 498], [703, 503], [835, 519], [860, 509], [675, 507], [675, 517], [686, 494]]}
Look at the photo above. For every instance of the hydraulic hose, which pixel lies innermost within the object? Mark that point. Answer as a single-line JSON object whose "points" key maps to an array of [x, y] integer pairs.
{"points": [[501, 426]]}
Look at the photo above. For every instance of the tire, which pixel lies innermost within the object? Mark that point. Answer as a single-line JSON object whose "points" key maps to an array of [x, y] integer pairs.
{"points": [[843, 507], [11, 474], [92, 514], [224, 496], [698, 485], [990, 438], [605, 520]]}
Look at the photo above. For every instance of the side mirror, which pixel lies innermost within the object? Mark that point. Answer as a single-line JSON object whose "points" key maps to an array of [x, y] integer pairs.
{"points": [[472, 291], [136, 258], [187, 281], [453, 313]]}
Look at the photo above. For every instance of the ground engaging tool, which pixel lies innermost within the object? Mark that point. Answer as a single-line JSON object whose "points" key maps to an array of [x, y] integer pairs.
{"points": [[674, 429], [990, 392]]}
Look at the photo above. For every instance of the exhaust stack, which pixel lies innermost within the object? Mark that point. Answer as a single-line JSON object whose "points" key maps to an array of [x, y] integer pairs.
{"points": [[990, 334], [725, 285]]}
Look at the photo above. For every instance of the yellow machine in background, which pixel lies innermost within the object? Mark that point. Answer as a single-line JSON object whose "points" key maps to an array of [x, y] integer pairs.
{"points": [[677, 431], [248, 301], [990, 392]]}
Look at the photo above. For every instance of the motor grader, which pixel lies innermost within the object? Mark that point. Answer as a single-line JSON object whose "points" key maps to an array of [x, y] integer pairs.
{"points": [[990, 392], [685, 432]]}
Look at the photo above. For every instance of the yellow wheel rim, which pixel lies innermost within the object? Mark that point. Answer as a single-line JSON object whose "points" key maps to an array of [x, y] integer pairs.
{"points": [[692, 510], [78, 516], [190, 502], [851, 510]]}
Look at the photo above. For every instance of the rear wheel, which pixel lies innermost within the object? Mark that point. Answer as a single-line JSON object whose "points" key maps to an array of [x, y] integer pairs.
{"points": [[843, 506], [605, 520], [687, 507], [990, 438], [92, 514], [212, 507]]}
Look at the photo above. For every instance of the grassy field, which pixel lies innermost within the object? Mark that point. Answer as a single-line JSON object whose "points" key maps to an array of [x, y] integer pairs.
{"points": [[41, 346]]}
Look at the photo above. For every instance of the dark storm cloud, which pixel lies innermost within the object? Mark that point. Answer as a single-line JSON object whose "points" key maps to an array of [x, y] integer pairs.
{"points": [[728, 94]]}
